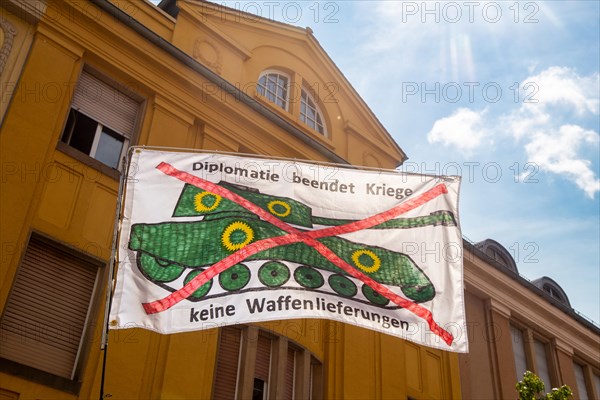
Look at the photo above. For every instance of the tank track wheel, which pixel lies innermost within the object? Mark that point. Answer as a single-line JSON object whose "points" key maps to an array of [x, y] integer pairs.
{"points": [[202, 290], [308, 277], [273, 274], [373, 296], [342, 285], [235, 278]]}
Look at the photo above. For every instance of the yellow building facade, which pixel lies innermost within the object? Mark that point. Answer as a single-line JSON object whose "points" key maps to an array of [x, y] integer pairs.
{"points": [[82, 81], [515, 325]]}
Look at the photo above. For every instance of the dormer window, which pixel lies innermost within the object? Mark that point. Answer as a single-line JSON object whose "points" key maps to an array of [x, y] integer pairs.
{"points": [[311, 114], [553, 289], [553, 293], [498, 253], [274, 86]]}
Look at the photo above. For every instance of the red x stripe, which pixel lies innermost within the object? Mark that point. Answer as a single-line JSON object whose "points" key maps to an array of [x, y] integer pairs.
{"points": [[294, 236]]}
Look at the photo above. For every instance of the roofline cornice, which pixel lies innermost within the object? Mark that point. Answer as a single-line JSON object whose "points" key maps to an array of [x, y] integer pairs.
{"points": [[468, 246], [312, 42], [226, 86]]}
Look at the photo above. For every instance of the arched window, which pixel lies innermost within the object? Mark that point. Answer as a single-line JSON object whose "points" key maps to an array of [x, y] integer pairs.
{"points": [[311, 114], [274, 86]]}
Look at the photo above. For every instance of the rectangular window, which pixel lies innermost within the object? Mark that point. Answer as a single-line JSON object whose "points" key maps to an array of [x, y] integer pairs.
{"points": [[519, 351], [262, 367], [255, 364], [101, 120], [44, 321], [543, 367], [316, 378], [290, 370], [227, 363], [580, 378], [259, 391]]}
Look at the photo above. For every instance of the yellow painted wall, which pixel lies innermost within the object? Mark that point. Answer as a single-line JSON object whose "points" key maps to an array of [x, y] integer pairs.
{"points": [[47, 190], [16, 36]]}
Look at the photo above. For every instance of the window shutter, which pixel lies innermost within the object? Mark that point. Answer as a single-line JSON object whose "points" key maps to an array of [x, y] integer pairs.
{"points": [[543, 369], [518, 351], [263, 358], [47, 309], [580, 378], [227, 363], [105, 104], [289, 374]]}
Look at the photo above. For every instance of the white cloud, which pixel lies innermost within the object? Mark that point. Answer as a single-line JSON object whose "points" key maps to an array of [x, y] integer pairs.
{"points": [[464, 129], [521, 124], [556, 152], [562, 86], [553, 146]]}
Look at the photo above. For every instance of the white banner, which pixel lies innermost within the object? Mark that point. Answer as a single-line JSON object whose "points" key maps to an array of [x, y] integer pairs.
{"points": [[211, 240]]}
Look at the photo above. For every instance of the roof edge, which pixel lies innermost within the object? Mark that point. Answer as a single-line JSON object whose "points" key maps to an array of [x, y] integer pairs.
{"points": [[226, 86], [592, 326], [312, 40]]}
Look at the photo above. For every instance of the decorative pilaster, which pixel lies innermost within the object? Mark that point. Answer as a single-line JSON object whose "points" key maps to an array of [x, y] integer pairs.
{"points": [[7, 37], [564, 359], [501, 341]]}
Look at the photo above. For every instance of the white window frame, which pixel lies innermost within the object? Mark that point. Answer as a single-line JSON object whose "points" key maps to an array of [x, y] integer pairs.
{"points": [[107, 104], [97, 134], [265, 74], [304, 117]]}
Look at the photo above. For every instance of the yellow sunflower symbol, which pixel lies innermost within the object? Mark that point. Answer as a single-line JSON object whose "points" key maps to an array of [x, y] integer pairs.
{"points": [[366, 260], [236, 236], [206, 201], [279, 208]]}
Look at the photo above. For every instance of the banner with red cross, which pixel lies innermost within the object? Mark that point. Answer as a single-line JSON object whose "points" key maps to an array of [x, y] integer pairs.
{"points": [[209, 240]]}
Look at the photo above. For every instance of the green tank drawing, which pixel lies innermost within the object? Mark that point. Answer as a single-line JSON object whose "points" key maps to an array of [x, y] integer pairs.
{"points": [[196, 202], [169, 250]]}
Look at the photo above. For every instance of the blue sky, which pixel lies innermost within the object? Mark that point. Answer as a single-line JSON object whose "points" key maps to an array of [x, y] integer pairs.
{"points": [[505, 94]]}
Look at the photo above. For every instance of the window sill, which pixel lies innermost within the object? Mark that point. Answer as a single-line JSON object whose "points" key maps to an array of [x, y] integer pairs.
{"points": [[41, 377], [272, 106], [88, 161], [308, 131]]}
